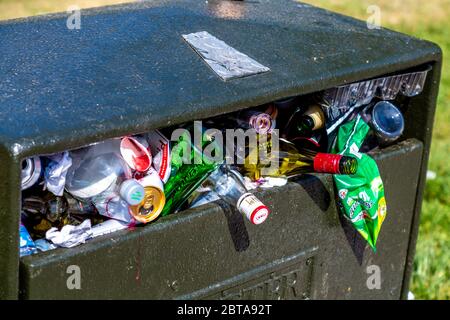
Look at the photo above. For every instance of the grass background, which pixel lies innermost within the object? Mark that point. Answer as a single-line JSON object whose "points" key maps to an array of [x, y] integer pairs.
{"points": [[429, 20]]}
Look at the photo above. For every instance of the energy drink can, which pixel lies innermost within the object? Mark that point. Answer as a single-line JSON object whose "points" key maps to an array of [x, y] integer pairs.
{"points": [[31, 171], [160, 148], [154, 198]]}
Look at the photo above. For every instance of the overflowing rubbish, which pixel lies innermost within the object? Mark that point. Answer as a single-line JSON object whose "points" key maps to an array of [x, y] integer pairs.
{"points": [[361, 195], [71, 197]]}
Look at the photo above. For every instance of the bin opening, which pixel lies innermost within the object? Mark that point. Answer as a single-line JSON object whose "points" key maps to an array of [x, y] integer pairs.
{"points": [[71, 197]]}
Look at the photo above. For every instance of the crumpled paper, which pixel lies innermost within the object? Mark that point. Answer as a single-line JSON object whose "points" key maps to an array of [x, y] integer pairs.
{"points": [[70, 236], [56, 171]]}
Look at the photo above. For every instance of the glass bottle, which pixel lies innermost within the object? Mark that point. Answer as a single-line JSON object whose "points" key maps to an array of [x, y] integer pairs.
{"points": [[289, 161], [186, 177], [229, 186], [303, 124]]}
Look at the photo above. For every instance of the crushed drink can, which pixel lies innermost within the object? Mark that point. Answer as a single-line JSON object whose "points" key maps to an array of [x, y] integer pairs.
{"points": [[136, 153], [160, 149], [31, 172], [154, 198]]}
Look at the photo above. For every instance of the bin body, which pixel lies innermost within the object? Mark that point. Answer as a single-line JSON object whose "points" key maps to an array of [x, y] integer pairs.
{"points": [[127, 71]]}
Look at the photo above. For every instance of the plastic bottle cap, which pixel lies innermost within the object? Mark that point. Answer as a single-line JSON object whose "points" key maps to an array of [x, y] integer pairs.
{"points": [[132, 192]]}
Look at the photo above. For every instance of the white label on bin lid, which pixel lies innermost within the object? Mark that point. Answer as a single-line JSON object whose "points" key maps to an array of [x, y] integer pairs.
{"points": [[253, 208], [227, 62]]}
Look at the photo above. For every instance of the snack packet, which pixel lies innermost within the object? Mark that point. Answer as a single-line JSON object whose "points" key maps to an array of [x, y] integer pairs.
{"points": [[26, 244], [360, 196]]}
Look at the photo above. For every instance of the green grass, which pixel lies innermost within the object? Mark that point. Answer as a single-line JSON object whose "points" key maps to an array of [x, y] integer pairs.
{"points": [[424, 19]]}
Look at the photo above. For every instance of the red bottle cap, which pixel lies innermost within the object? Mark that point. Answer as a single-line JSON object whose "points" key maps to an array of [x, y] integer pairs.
{"points": [[327, 163]]}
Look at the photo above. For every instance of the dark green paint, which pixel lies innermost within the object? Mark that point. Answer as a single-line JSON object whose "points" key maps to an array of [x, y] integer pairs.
{"points": [[128, 70]]}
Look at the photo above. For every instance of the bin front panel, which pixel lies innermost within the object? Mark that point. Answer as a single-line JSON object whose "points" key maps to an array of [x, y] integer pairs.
{"points": [[304, 250]]}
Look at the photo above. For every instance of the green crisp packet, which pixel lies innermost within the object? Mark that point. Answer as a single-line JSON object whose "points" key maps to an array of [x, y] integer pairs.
{"points": [[361, 196]]}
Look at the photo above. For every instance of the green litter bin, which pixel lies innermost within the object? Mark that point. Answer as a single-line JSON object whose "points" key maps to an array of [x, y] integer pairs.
{"points": [[128, 70]]}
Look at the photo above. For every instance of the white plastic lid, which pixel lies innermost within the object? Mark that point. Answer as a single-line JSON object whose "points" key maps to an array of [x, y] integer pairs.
{"points": [[132, 192], [253, 208]]}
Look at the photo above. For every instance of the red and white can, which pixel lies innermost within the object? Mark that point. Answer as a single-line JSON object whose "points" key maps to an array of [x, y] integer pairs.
{"points": [[160, 149]]}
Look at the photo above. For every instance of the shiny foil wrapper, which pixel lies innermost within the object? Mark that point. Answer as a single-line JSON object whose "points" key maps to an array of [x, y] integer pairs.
{"points": [[227, 62]]}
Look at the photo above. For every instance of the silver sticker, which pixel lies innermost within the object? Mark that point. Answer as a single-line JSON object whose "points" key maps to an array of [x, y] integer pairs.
{"points": [[226, 61]]}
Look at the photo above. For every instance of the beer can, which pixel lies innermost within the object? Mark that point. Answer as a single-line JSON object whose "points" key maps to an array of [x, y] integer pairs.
{"points": [[31, 171], [160, 149], [154, 198]]}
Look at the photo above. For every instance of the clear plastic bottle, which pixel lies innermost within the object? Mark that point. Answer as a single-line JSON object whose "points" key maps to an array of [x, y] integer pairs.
{"points": [[100, 175]]}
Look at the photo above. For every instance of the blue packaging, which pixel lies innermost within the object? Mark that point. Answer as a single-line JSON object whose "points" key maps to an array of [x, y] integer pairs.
{"points": [[27, 245]]}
